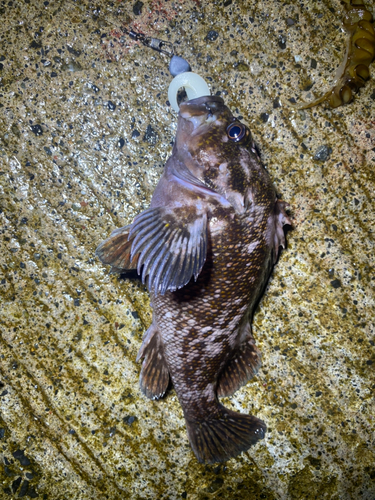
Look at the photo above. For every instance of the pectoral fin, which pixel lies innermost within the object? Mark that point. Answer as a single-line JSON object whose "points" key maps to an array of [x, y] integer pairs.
{"points": [[170, 246], [115, 250]]}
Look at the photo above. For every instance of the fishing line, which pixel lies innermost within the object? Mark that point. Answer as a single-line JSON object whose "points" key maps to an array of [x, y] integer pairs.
{"points": [[179, 68]]}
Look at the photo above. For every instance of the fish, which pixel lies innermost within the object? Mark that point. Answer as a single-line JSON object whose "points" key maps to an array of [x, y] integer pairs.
{"points": [[354, 70], [205, 249]]}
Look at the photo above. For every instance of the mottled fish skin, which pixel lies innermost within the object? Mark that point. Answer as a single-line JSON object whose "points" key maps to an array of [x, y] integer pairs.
{"points": [[205, 248]]}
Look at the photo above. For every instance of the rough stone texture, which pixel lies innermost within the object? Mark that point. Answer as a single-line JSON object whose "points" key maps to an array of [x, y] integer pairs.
{"points": [[77, 103]]}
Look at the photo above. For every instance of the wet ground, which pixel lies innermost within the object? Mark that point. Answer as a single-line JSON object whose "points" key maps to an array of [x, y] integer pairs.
{"points": [[85, 128]]}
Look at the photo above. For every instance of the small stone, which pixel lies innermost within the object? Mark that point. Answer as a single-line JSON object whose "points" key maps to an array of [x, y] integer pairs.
{"points": [[111, 105], [35, 45], [129, 419], [36, 129], [290, 21], [323, 153], [318, 393], [264, 117], [24, 489], [336, 283], [212, 35], [137, 8], [121, 143], [150, 136], [282, 42], [20, 456], [16, 483], [135, 134]]}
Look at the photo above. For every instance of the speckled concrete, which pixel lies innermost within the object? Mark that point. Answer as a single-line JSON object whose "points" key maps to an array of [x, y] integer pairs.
{"points": [[85, 129]]}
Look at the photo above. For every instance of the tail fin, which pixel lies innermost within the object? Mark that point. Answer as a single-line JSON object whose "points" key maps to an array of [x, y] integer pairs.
{"points": [[224, 436]]}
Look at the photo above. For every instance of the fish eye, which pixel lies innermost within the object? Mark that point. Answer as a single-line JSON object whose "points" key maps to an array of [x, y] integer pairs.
{"points": [[236, 131]]}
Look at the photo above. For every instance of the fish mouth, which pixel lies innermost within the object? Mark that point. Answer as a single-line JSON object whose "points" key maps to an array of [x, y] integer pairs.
{"points": [[205, 105]]}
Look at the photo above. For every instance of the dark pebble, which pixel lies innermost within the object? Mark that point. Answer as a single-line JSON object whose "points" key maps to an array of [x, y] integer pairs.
{"points": [[323, 153], [53, 74], [22, 265], [308, 87], [95, 88], [121, 143], [318, 393], [227, 3], [276, 103], [111, 106], [24, 488], [150, 136], [282, 42], [36, 129], [32, 493], [135, 315], [135, 134], [4, 393], [137, 8], [264, 117], [1, 66], [76, 302], [212, 35], [8, 472], [75, 52], [336, 283], [16, 484], [35, 45], [2, 433], [20, 456], [313, 64], [129, 419], [24, 220], [290, 22], [369, 362]]}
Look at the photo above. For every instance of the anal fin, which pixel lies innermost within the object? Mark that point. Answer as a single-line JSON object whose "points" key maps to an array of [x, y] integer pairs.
{"points": [[154, 378], [243, 365]]}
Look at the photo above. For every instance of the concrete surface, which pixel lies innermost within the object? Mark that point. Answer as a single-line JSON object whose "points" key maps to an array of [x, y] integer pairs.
{"points": [[85, 129]]}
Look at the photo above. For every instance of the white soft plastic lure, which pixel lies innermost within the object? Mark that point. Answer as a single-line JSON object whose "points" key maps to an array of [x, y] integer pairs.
{"points": [[193, 84]]}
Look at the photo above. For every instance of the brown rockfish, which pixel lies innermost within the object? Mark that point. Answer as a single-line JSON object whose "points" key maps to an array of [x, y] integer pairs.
{"points": [[205, 248]]}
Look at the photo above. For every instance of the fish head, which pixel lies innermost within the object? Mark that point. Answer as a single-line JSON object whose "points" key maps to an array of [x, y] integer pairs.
{"points": [[218, 149]]}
